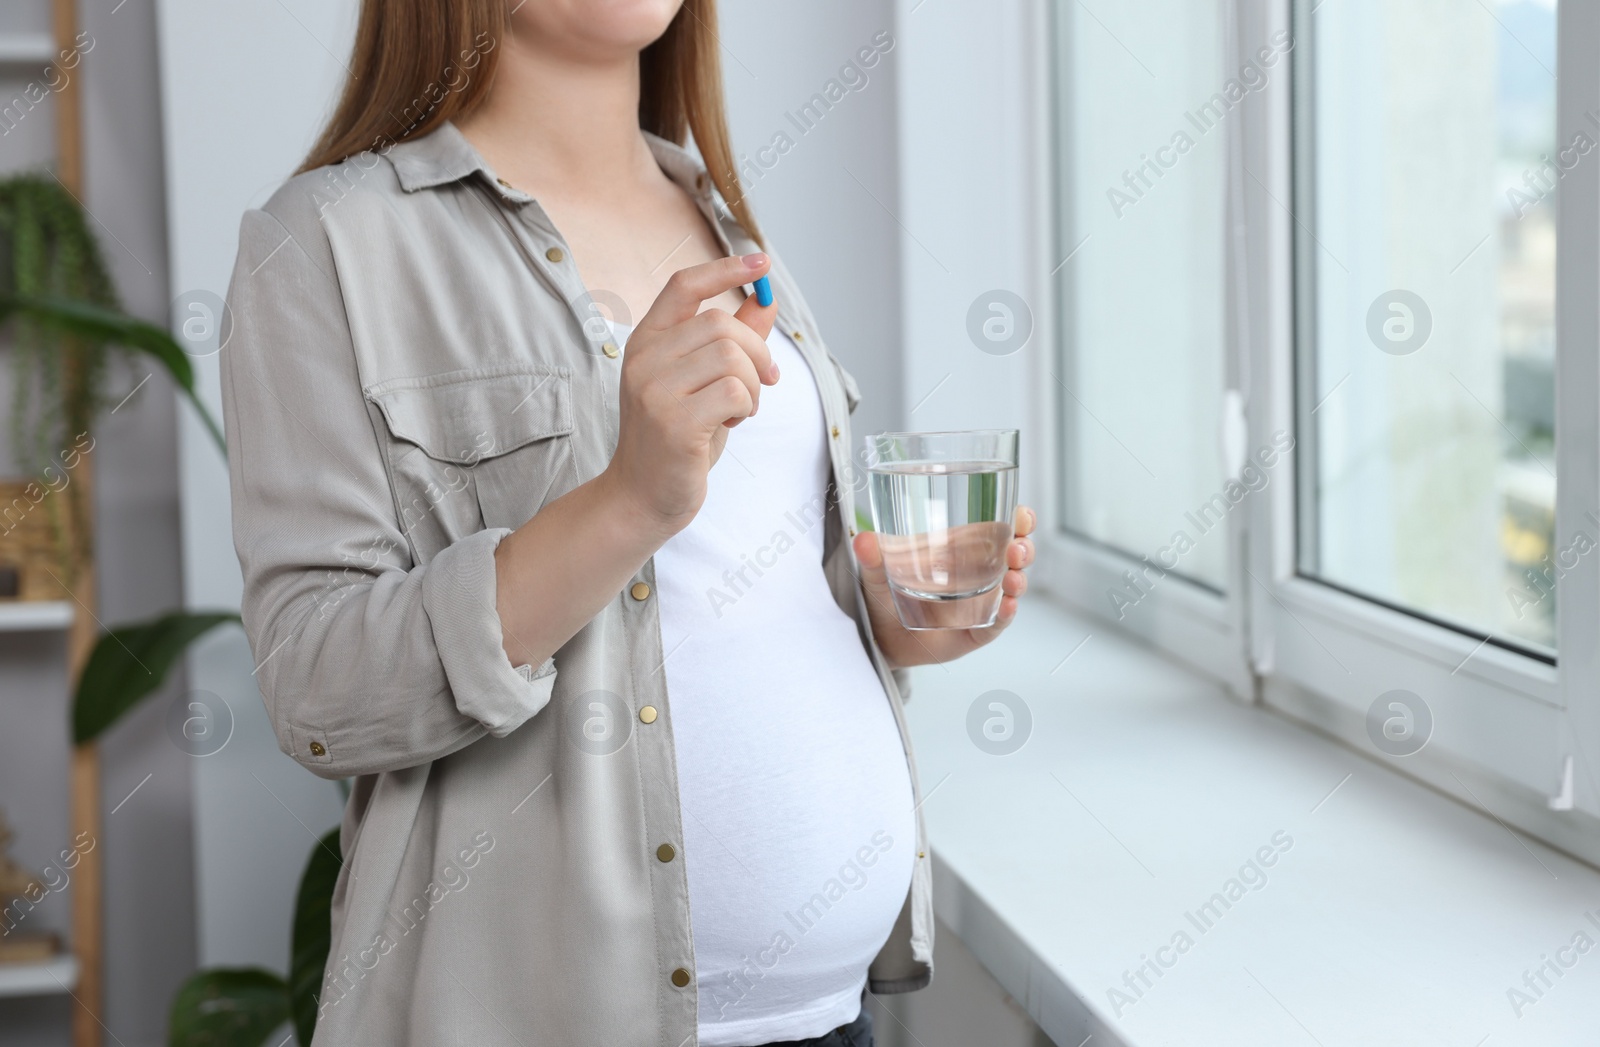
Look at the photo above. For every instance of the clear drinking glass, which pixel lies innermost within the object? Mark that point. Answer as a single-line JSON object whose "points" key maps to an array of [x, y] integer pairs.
{"points": [[943, 506]]}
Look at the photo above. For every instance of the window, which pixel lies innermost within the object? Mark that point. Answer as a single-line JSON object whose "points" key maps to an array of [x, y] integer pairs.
{"points": [[1428, 269], [1140, 280], [1383, 240], [1439, 380]]}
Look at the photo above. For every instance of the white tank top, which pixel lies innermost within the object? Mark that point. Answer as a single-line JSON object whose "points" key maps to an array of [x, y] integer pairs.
{"points": [[797, 812]]}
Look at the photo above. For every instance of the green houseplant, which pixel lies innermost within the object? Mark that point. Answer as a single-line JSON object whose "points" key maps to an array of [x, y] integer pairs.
{"points": [[60, 311]]}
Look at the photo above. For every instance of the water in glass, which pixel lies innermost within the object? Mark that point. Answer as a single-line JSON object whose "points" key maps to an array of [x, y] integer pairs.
{"points": [[943, 527]]}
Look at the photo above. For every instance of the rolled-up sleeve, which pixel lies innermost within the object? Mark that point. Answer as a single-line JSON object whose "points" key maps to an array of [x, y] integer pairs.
{"points": [[367, 661], [467, 635]]}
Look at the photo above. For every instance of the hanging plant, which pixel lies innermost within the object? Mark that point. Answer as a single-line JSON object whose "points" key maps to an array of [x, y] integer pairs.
{"points": [[48, 252], [64, 321]]}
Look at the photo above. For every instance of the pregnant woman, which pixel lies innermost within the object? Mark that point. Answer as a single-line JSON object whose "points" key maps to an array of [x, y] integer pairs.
{"points": [[547, 534]]}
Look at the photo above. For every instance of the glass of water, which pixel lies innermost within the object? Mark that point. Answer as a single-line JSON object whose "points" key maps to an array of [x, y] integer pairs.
{"points": [[943, 506]]}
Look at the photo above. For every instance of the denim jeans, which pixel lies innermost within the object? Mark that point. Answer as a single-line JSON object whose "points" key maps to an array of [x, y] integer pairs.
{"points": [[854, 1034]]}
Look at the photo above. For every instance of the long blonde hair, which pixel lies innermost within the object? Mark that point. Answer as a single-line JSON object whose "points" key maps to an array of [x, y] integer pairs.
{"points": [[418, 63]]}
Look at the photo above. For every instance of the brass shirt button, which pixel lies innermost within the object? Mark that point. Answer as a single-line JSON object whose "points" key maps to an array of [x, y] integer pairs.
{"points": [[647, 714], [555, 254], [503, 182], [640, 591], [665, 853], [680, 977], [318, 750], [611, 350], [836, 432], [797, 336]]}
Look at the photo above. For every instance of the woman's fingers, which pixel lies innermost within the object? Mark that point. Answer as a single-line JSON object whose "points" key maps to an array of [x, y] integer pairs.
{"points": [[710, 364], [874, 574], [699, 351], [1020, 553], [718, 325], [759, 318], [726, 401], [869, 557], [687, 288]]}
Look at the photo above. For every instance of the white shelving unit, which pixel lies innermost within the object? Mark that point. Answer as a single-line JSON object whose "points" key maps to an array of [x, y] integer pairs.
{"points": [[31, 616], [60, 974], [26, 49], [26, 54], [39, 979]]}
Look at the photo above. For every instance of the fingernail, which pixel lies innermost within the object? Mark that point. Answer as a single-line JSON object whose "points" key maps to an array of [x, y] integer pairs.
{"points": [[772, 373], [763, 292], [755, 261]]}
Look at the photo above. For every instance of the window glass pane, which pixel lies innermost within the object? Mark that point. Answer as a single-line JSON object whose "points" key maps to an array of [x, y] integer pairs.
{"points": [[1143, 114], [1429, 395]]}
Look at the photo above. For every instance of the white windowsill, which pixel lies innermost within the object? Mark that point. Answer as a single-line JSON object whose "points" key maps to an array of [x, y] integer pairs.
{"points": [[1397, 915]]}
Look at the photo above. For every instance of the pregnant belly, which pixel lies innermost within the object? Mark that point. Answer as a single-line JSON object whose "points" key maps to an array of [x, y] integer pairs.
{"points": [[797, 816]]}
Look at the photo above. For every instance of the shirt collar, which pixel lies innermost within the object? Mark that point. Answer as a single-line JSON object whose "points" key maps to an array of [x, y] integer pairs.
{"points": [[437, 158], [444, 155]]}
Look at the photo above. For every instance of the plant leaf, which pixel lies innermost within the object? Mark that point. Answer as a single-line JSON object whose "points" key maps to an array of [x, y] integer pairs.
{"points": [[131, 661], [228, 1007], [99, 324], [313, 931]]}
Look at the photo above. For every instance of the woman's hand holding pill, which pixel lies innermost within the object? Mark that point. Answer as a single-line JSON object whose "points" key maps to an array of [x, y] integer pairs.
{"points": [[688, 376]]}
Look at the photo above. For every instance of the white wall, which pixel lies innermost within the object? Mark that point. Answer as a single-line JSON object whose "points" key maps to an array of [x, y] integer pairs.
{"points": [[968, 219], [829, 204]]}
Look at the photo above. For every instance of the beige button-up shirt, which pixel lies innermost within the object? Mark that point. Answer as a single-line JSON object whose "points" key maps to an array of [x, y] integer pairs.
{"points": [[415, 369]]}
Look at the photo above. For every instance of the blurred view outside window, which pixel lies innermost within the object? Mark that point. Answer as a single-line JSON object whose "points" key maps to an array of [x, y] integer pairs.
{"points": [[1144, 107], [1428, 375]]}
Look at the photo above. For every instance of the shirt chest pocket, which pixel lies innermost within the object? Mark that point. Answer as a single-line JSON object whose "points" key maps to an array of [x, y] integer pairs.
{"points": [[474, 449]]}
